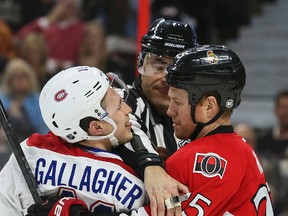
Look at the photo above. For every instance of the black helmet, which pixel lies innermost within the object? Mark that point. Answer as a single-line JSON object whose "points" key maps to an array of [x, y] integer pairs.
{"points": [[168, 37], [208, 68]]}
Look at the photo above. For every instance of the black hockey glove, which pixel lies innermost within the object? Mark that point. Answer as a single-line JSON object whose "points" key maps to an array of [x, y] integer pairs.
{"points": [[67, 206]]}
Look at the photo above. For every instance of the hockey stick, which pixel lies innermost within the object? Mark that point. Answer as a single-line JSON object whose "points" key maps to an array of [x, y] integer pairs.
{"points": [[19, 155]]}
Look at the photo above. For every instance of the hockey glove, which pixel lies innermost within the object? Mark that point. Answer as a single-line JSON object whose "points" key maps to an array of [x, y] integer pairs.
{"points": [[55, 206]]}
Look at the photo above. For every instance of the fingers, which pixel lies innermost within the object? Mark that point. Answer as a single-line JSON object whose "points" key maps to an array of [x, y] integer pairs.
{"points": [[183, 189], [157, 206], [172, 208], [169, 204], [175, 211], [161, 206], [173, 204], [178, 210], [153, 206]]}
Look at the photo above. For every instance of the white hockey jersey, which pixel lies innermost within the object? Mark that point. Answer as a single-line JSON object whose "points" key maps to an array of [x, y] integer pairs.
{"points": [[98, 177]]}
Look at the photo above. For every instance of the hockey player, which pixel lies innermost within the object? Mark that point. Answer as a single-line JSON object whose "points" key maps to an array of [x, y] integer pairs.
{"points": [[221, 170], [87, 119], [149, 102]]}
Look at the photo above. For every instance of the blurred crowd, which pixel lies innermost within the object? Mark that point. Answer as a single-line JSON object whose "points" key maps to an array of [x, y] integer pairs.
{"points": [[271, 146], [55, 34], [38, 38]]}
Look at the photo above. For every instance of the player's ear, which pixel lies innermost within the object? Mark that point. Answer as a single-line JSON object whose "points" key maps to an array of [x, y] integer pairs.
{"points": [[95, 128], [212, 105]]}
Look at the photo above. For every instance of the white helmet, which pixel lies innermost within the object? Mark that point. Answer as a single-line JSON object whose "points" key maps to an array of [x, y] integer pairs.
{"points": [[72, 95]]}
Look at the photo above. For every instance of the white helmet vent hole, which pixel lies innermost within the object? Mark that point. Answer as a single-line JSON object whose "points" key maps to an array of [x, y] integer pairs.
{"points": [[75, 81], [55, 125], [95, 86], [89, 93]]}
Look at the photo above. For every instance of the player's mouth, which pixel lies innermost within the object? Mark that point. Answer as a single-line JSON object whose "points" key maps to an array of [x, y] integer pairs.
{"points": [[175, 123], [163, 89], [128, 125]]}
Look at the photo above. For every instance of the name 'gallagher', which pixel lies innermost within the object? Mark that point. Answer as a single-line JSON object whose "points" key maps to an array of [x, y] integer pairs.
{"points": [[91, 180]]}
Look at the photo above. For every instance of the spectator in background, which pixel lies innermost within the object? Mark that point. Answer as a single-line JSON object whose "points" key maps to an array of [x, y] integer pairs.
{"points": [[34, 50], [121, 57], [19, 12], [108, 53], [112, 13], [7, 52], [118, 19], [7, 49], [276, 139], [63, 31], [20, 98], [231, 16], [247, 132], [168, 9], [12, 12], [273, 147], [214, 21], [93, 48]]}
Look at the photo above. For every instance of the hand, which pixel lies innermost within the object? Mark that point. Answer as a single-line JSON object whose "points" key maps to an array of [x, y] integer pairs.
{"points": [[160, 186], [67, 206]]}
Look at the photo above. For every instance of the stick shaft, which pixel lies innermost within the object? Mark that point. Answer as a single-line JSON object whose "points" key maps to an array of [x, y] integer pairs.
{"points": [[19, 155]]}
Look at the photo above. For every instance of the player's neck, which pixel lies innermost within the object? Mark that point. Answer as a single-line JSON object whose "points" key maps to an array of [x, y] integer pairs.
{"points": [[100, 144], [220, 122]]}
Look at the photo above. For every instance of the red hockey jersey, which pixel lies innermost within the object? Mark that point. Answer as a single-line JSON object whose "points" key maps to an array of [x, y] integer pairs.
{"points": [[223, 174]]}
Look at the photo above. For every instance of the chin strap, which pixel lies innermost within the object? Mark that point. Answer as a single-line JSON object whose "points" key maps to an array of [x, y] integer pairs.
{"points": [[201, 125], [113, 140], [110, 136]]}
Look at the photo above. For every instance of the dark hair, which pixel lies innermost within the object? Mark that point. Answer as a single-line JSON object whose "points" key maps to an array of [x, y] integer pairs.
{"points": [[281, 94], [84, 123]]}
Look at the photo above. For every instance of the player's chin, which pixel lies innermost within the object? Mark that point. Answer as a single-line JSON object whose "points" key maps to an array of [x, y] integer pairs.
{"points": [[125, 139], [180, 134], [128, 137]]}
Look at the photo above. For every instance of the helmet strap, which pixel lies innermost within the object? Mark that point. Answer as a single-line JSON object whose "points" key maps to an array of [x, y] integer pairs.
{"points": [[201, 125], [110, 136], [113, 140]]}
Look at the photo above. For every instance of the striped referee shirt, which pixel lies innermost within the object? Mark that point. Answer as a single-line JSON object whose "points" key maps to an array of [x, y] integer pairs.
{"points": [[147, 122]]}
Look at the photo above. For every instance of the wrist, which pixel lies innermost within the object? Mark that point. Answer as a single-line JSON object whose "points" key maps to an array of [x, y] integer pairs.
{"points": [[148, 161]]}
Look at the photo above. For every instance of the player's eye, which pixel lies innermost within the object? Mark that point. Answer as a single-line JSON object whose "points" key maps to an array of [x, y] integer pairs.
{"points": [[159, 68]]}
